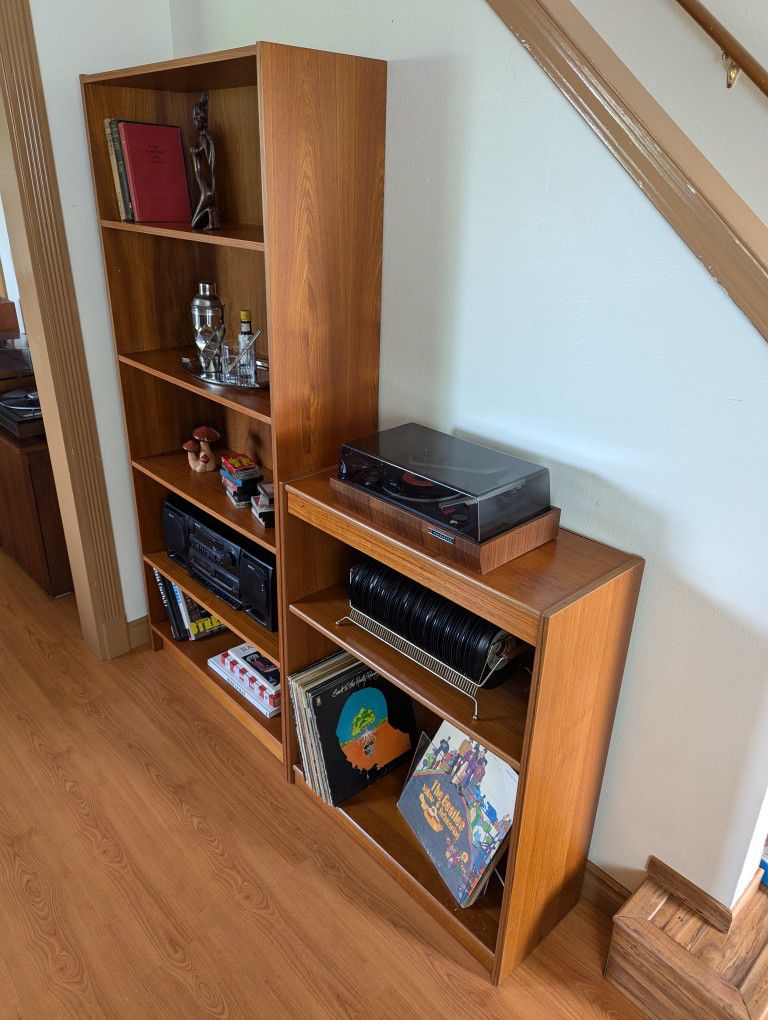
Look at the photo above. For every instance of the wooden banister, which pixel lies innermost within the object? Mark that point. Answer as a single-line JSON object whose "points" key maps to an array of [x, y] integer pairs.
{"points": [[730, 46], [699, 204]]}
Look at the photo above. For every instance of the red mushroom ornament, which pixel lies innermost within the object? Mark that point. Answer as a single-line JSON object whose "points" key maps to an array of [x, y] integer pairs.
{"points": [[192, 449], [205, 435]]}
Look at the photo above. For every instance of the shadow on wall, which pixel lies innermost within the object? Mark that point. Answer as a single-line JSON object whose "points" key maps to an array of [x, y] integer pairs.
{"points": [[658, 763], [423, 238]]}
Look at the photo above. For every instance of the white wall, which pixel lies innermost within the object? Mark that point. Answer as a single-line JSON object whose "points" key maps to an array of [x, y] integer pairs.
{"points": [[535, 299], [682, 68], [76, 38], [6, 261]]}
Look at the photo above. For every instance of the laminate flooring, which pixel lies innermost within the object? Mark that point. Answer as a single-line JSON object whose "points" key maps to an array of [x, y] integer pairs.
{"points": [[154, 863]]}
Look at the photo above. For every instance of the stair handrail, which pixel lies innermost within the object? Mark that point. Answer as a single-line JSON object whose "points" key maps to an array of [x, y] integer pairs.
{"points": [[736, 55]]}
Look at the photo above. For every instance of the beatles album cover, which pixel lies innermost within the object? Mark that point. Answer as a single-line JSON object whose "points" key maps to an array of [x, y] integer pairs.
{"points": [[460, 801]]}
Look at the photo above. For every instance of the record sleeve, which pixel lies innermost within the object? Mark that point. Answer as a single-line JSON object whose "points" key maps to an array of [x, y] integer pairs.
{"points": [[354, 727], [460, 801]]}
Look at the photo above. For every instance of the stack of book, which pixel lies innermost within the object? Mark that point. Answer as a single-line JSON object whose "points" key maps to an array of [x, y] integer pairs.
{"points": [[353, 726], [240, 477], [251, 675], [148, 171], [263, 505], [189, 621]]}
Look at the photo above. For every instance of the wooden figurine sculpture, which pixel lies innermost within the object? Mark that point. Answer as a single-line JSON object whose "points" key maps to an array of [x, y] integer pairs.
{"points": [[203, 153], [201, 458]]}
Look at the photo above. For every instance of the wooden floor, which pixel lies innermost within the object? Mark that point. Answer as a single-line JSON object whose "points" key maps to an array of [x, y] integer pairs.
{"points": [[154, 864]]}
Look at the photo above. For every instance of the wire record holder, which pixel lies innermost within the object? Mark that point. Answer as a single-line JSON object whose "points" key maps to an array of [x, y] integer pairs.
{"points": [[466, 685]]}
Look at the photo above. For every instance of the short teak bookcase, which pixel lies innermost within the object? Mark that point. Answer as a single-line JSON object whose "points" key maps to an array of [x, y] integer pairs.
{"points": [[300, 160]]}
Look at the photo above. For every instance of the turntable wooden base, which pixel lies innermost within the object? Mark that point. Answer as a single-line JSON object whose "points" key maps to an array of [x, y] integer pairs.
{"points": [[480, 556]]}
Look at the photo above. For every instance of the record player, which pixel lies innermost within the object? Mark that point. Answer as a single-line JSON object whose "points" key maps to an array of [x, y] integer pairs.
{"points": [[20, 413], [466, 502]]}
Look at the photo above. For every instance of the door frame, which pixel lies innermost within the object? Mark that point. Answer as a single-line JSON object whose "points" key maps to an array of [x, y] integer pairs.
{"points": [[41, 260]]}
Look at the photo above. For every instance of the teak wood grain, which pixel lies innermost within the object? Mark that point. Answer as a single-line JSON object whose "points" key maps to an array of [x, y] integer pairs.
{"points": [[193, 656], [314, 124], [323, 122], [148, 317], [444, 543], [300, 166], [206, 492], [577, 675], [375, 822], [9, 322], [230, 235], [323, 127], [515, 596], [30, 520], [167, 365], [574, 599], [243, 625], [160, 417], [502, 710]]}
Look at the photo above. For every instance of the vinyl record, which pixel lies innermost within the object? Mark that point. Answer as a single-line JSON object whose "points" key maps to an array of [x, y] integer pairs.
{"points": [[411, 488], [449, 632]]}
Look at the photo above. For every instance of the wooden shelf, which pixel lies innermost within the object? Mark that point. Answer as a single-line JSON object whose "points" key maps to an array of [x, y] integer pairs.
{"points": [[166, 364], [231, 235], [503, 710], [194, 655], [266, 641], [377, 824], [516, 596], [206, 492]]}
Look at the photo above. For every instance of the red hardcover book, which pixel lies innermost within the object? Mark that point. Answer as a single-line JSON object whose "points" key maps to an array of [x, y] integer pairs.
{"points": [[157, 177]]}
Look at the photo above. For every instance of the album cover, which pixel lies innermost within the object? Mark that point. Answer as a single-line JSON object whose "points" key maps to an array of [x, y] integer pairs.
{"points": [[459, 801], [354, 728]]}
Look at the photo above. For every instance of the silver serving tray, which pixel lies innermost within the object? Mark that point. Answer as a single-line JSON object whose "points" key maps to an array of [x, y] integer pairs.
{"points": [[214, 380]]}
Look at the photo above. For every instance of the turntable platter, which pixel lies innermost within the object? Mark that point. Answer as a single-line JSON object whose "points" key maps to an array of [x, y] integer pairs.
{"points": [[411, 488]]}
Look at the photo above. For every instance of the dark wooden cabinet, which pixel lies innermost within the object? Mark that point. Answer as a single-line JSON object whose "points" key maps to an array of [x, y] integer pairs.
{"points": [[30, 523]]}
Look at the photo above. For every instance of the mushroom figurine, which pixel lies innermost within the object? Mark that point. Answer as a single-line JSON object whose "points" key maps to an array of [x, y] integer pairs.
{"points": [[192, 449], [205, 435]]}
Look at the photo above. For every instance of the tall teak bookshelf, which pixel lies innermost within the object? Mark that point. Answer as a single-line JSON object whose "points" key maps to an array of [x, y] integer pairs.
{"points": [[301, 168], [300, 177]]}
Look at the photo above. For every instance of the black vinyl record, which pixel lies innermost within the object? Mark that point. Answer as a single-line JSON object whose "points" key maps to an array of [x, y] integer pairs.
{"points": [[449, 632]]}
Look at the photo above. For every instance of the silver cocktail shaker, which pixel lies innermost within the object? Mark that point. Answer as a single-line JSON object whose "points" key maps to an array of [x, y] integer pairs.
{"points": [[208, 320]]}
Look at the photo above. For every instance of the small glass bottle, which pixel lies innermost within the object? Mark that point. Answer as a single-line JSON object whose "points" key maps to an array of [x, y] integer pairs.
{"points": [[246, 346], [228, 355]]}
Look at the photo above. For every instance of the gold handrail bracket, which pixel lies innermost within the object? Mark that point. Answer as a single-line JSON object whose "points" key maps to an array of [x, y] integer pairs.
{"points": [[737, 57]]}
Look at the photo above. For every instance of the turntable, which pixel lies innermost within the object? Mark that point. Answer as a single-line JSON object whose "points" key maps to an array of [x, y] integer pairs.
{"points": [[20, 413], [466, 502]]}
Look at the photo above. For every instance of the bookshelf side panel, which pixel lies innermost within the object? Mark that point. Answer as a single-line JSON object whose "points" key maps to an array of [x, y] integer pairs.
{"points": [[577, 678], [322, 118]]}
